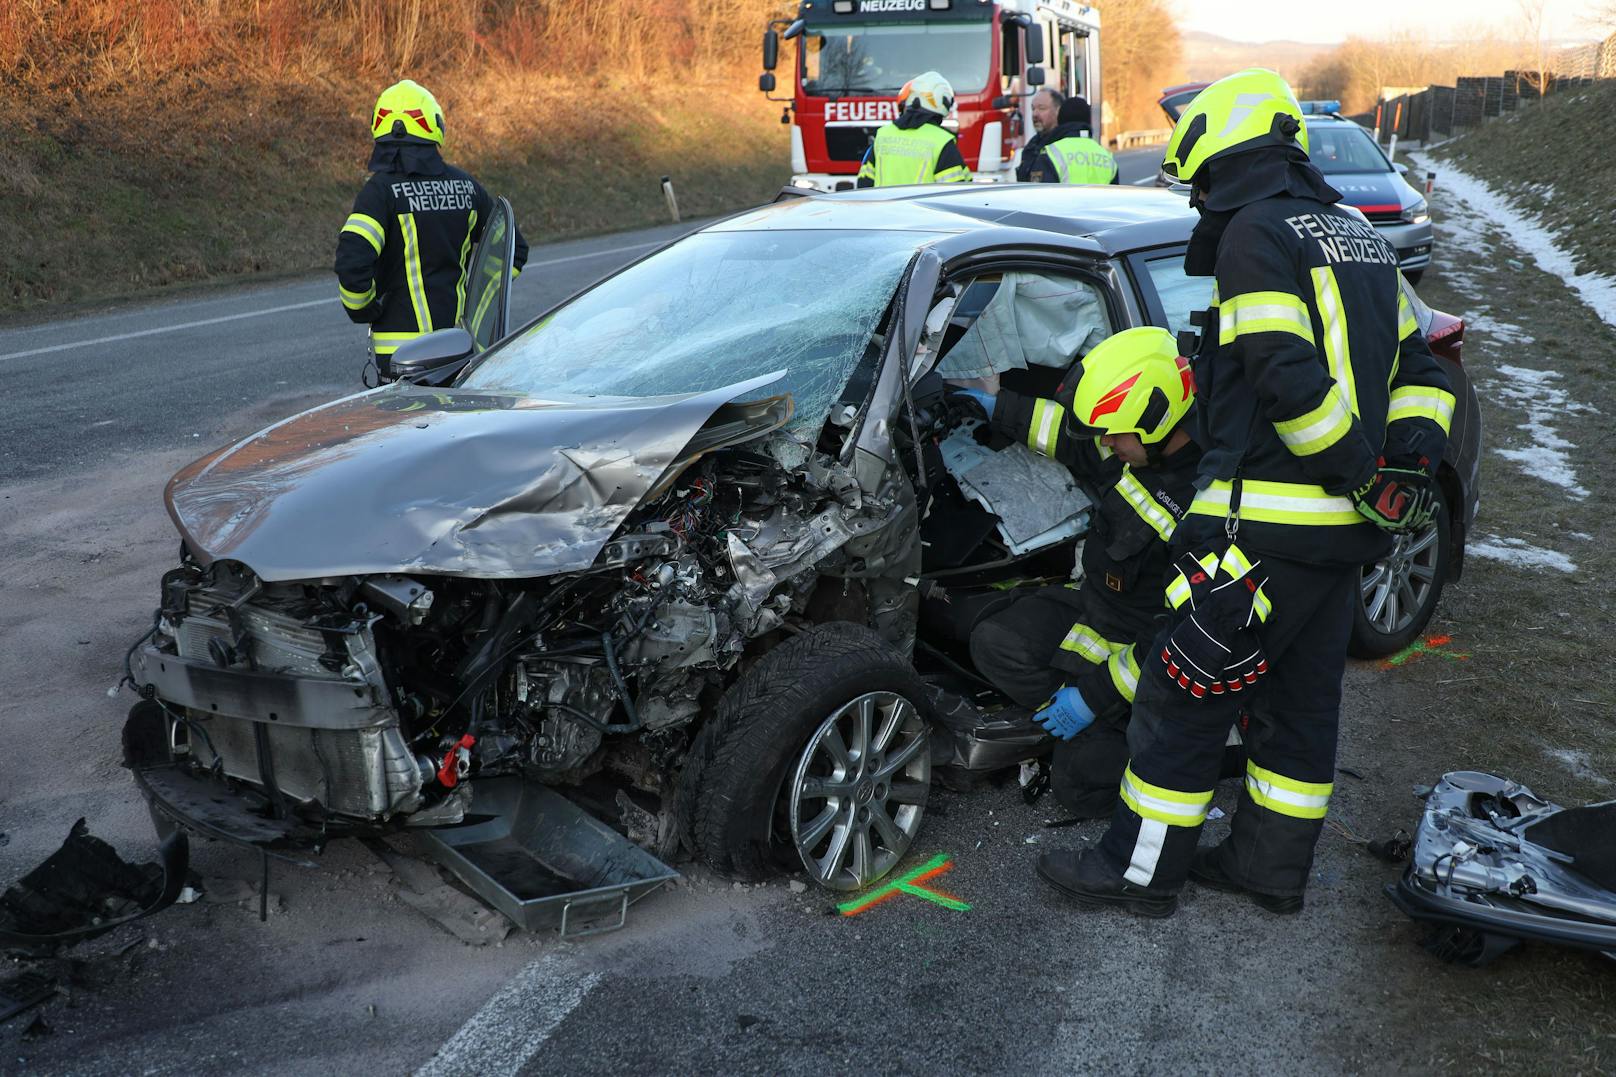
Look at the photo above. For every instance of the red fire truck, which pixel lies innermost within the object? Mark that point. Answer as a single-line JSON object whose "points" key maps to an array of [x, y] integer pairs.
{"points": [[853, 56]]}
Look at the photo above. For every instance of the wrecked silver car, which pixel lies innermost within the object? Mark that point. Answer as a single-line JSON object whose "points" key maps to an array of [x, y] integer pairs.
{"points": [[1494, 864], [708, 534]]}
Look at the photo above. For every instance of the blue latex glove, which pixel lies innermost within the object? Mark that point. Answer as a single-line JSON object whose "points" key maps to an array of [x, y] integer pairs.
{"points": [[1066, 714], [984, 399]]}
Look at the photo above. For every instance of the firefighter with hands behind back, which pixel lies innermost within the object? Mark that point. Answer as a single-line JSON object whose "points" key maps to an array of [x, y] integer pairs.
{"points": [[402, 254], [1321, 414], [916, 148], [1074, 651]]}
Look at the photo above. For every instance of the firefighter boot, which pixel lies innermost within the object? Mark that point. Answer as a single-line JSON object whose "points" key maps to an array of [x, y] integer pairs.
{"points": [[1208, 869], [1089, 879]]}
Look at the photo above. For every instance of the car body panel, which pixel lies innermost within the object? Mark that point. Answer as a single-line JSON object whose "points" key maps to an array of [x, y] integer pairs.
{"points": [[407, 479]]}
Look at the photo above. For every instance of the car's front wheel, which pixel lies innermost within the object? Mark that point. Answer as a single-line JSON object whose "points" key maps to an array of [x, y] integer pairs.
{"points": [[1399, 593], [818, 757]]}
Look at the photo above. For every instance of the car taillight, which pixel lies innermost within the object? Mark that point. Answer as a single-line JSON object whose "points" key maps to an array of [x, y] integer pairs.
{"points": [[1446, 335]]}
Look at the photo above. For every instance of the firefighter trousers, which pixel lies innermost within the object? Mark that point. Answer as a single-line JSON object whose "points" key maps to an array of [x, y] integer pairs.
{"points": [[1176, 745]]}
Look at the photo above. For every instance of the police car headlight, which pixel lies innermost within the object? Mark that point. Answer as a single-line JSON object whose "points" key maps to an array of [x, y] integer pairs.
{"points": [[1418, 213]]}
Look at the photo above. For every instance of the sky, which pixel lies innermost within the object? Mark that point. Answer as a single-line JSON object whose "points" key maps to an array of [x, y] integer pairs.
{"points": [[1271, 20]]}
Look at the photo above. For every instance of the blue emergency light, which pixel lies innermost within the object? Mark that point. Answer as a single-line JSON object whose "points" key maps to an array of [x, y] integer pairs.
{"points": [[1320, 108]]}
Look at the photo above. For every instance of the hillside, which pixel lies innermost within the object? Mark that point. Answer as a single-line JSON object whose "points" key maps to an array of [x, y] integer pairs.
{"points": [[1207, 56], [181, 141], [1542, 157]]}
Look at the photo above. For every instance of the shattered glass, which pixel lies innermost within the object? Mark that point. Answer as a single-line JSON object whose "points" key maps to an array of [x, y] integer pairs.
{"points": [[712, 310]]}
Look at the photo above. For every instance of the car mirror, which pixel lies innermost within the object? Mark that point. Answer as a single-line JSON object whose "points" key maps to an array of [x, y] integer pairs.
{"points": [[1035, 76], [1002, 101], [766, 82], [771, 50], [429, 359], [1402, 169]]}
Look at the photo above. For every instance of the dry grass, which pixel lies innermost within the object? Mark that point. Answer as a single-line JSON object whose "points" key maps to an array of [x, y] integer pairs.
{"points": [[172, 141]]}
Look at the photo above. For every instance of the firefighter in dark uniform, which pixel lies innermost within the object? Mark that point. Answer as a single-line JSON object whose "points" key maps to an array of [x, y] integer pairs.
{"points": [[1075, 651], [1321, 414], [402, 254], [1067, 153], [916, 148]]}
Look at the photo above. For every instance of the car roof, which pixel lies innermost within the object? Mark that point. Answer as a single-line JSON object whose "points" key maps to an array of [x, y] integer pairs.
{"points": [[1106, 220]]}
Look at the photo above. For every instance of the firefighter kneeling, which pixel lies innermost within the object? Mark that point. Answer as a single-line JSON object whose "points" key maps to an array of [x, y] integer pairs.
{"points": [[916, 148], [1321, 412]]}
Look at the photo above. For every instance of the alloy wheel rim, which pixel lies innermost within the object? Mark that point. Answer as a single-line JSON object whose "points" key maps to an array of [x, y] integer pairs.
{"points": [[859, 789], [1396, 588]]}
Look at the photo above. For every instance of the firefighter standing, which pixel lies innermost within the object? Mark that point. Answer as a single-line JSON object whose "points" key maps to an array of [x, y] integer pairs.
{"points": [[1076, 652], [915, 148], [1046, 105], [402, 254], [1321, 413], [1068, 155]]}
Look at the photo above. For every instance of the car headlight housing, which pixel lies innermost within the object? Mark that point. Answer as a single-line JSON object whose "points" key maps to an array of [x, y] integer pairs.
{"points": [[1416, 213]]}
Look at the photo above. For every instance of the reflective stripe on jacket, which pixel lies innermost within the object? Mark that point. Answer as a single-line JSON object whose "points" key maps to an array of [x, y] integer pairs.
{"points": [[1312, 366], [1081, 160], [402, 253], [919, 153]]}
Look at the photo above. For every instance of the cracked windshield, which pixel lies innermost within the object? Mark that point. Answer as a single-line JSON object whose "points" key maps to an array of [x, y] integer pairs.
{"points": [[880, 59], [713, 310]]}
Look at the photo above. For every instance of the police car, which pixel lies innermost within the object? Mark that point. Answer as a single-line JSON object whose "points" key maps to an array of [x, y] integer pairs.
{"points": [[1356, 166]]}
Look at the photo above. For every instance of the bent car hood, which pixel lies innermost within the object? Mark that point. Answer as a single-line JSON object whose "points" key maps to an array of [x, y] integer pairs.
{"points": [[445, 482]]}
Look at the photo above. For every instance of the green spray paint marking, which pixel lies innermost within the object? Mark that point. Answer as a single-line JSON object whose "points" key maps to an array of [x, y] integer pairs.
{"points": [[909, 884], [1429, 645]]}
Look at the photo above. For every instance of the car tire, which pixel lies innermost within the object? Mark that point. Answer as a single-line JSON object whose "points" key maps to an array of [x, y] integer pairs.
{"points": [[1384, 620], [757, 770]]}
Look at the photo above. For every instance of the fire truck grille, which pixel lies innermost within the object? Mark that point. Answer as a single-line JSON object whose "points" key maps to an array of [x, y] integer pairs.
{"points": [[848, 143]]}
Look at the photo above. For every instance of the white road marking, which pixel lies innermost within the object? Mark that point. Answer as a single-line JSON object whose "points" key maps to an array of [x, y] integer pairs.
{"points": [[114, 338], [501, 1037]]}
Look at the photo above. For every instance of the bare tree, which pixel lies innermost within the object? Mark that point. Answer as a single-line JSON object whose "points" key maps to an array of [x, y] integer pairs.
{"points": [[1532, 13]]}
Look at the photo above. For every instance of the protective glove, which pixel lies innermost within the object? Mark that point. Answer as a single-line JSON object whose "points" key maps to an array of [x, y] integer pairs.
{"points": [[1066, 714], [1215, 644], [1397, 498], [971, 401]]}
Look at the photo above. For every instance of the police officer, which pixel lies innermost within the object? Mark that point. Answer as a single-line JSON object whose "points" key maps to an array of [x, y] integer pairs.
{"points": [[1045, 109], [915, 148], [1321, 413], [1069, 155], [1075, 652], [401, 255]]}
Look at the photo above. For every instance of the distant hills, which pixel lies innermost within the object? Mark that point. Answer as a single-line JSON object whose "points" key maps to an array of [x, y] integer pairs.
{"points": [[1208, 56]]}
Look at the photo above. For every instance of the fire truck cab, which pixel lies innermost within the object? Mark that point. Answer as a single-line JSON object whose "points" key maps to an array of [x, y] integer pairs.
{"points": [[853, 56]]}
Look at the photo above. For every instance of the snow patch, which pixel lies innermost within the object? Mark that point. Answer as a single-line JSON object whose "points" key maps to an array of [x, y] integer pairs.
{"points": [[1517, 552], [1534, 393], [1496, 330], [1596, 290]]}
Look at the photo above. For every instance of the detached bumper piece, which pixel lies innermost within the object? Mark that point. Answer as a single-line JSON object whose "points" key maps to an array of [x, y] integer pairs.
{"points": [[1494, 865], [85, 889]]}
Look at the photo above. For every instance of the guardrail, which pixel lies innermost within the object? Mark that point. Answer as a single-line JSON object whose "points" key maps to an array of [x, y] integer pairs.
{"points": [[1129, 139]]}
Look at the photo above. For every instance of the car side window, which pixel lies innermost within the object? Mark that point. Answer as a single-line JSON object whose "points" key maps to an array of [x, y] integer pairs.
{"points": [[1023, 318], [1178, 293]]}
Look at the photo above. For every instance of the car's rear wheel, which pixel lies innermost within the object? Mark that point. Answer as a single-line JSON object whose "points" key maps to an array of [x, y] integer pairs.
{"points": [[1399, 593], [818, 757]]}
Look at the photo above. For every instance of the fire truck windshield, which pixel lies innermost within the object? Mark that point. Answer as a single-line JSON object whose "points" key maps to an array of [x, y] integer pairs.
{"points": [[876, 58]]}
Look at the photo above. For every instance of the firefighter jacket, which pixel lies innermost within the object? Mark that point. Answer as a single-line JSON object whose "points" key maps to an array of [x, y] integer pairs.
{"points": [[402, 254], [914, 148], [1126, 554], [1310, 367], [1068, 155]]}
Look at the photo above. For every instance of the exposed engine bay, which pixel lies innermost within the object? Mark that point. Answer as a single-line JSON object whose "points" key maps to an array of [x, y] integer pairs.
{"points": [[376, 697]]}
